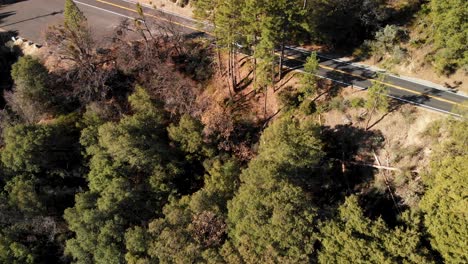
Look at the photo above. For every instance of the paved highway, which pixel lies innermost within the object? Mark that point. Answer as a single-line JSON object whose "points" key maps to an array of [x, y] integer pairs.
{"points": [[30, 18]]}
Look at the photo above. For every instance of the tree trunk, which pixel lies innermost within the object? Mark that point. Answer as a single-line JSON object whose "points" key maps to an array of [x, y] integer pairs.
{"points": [[255, 72], [265, 103], [233, 68], [379, 167], [220, 63], [231, 86], [319, 95], [273, 68], [254, 54], [370, 117], [280, 70], [230, 68], [236, 67], [387, 182]]}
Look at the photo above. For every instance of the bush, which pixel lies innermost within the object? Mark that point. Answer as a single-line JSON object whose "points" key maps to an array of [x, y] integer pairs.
{"points": [[444, 62], [322, 108], [364, 51], [406, 152], [433, 130], [182, 3], [29, 72], [288, 98], [399, 54], [387, 41], [408, 115], [338, 103], [308, 107], [31, 97], [357, 102], [196, 60], [418, 43]]}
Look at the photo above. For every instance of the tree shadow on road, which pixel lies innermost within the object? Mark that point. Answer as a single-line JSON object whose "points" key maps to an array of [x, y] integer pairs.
{"points": [[33, 18], [4, 3], [4, 15]]}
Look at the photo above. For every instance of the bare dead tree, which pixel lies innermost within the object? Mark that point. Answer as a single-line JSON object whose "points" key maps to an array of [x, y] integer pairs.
{"points": [[150, 62], [89, 66], [208, 229]]}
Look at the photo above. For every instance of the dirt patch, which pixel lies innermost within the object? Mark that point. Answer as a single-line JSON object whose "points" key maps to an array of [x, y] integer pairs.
{"points": [[401, 128], [405, 148], [169, 6], [249, 100]]}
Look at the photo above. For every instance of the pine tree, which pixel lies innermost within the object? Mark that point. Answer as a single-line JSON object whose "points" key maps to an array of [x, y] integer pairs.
{"points": [[193, 228], [227, 31], [205, 9], [450, 34], [14, 252], [352, 237], [132, 171], [253, 12], [377, 99], [31, 97], [444, 202], [271, 216], [74, 18], [308, 80], [289, 22], [22, 194]]}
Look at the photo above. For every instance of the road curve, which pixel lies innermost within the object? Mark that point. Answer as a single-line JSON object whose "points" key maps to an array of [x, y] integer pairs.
{"points": [[31, 17]]}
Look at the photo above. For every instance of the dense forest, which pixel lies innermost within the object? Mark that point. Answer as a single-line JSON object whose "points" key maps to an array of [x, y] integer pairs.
{"points": [[374, 27], [120, 152]]}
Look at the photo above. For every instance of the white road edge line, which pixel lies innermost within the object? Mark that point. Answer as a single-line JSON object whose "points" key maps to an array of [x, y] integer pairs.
{"points": [[305, 52], [105, 10], [424, 106], [389, 95], [167, 12], [394, 97]]}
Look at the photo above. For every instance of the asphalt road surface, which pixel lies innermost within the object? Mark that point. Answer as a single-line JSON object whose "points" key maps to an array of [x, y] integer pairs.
{"points": [[30, 18]]}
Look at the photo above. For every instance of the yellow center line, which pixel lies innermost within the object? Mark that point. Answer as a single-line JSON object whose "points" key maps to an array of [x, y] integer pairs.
{"points": [[152, 16], [385, 83], [287, 56]]}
